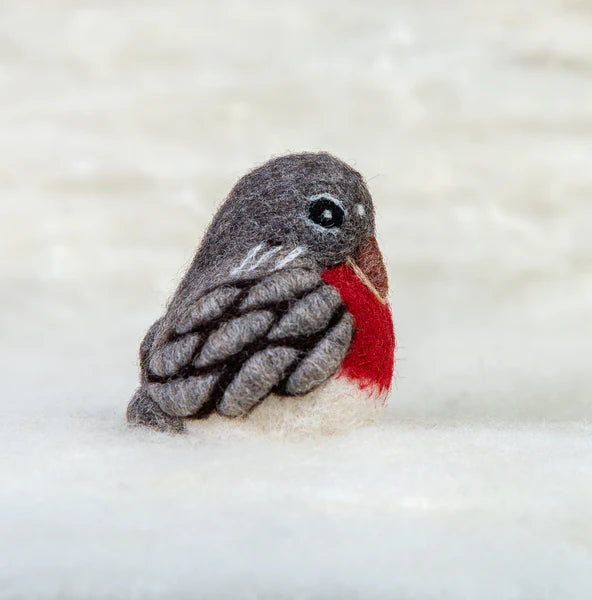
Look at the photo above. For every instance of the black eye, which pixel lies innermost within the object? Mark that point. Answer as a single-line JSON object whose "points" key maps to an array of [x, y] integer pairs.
{"points": [[326, 213]]}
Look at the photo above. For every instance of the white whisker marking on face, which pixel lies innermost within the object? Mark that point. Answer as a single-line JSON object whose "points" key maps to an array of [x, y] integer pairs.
{"points": [[293, 255], [361, 209], [250, 256], [264, 257]]}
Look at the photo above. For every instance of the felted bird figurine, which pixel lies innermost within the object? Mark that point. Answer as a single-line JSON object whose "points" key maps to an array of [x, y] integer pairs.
{"points": [[286, 296]]}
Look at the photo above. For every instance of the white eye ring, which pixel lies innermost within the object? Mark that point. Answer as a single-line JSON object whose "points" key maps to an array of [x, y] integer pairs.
{"points": [[327, 196], [361, 210]]}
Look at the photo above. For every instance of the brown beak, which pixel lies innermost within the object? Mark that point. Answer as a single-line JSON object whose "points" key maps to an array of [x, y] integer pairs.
{"points": [[369, 266]]}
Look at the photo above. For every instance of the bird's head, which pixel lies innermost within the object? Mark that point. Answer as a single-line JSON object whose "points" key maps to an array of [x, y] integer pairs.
{"points": [[310, 201]]}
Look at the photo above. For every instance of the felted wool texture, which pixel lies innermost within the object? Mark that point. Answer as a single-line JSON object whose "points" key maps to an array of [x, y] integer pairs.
{"points": [[371, 358], [288, 330], [334, 408], [270, 205], [142, 409], [252, 315]]}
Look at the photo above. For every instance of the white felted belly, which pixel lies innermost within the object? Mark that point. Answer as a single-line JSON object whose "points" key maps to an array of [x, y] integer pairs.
{"points": [[335, 407]]}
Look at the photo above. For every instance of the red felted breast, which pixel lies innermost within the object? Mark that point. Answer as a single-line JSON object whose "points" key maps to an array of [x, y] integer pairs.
{"points": [[371, 358]]}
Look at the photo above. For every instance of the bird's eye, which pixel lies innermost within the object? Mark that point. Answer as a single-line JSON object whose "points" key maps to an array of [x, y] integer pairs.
{"points": [[326, 213]]}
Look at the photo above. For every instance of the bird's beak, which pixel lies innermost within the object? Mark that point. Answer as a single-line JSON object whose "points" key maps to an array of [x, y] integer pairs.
{"points": [[369, 266]]}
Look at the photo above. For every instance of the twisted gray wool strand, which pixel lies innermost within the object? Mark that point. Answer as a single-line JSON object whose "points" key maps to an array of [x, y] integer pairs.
{"points": [[184, 395]]}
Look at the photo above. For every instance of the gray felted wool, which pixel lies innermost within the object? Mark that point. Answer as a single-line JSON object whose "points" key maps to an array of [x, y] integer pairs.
{"points": [[253, 316]]}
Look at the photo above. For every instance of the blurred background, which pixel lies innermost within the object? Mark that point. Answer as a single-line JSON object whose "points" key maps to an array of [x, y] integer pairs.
{"points": [[124, 124]]}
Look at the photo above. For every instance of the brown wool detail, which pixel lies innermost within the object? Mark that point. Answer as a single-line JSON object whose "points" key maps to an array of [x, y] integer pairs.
{"points": [[370, 267]]}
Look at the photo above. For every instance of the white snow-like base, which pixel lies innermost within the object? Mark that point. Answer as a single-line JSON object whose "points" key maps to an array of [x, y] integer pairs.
{"points": [[91, 509], [336, 407]]}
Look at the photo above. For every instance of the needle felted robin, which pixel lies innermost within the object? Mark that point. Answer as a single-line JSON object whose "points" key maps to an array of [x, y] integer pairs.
{"points": [[286, 297]]}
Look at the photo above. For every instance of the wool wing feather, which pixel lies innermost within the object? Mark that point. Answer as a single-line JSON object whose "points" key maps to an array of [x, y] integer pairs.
{"points": [[283, 331]]}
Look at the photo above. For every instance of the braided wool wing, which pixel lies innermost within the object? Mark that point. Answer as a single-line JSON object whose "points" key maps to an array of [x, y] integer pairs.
{"points": [[285, 332]]}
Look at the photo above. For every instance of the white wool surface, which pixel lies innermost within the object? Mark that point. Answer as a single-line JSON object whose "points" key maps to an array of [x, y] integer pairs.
{"points": [[336, 407], [93, 510], [124, 124]]}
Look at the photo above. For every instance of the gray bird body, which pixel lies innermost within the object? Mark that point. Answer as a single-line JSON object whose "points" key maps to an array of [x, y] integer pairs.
{"points": [[253, 316]]}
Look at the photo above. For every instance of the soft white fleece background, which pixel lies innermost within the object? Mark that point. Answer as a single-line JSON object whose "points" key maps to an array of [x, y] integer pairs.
{"points": [[123, 124]]}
